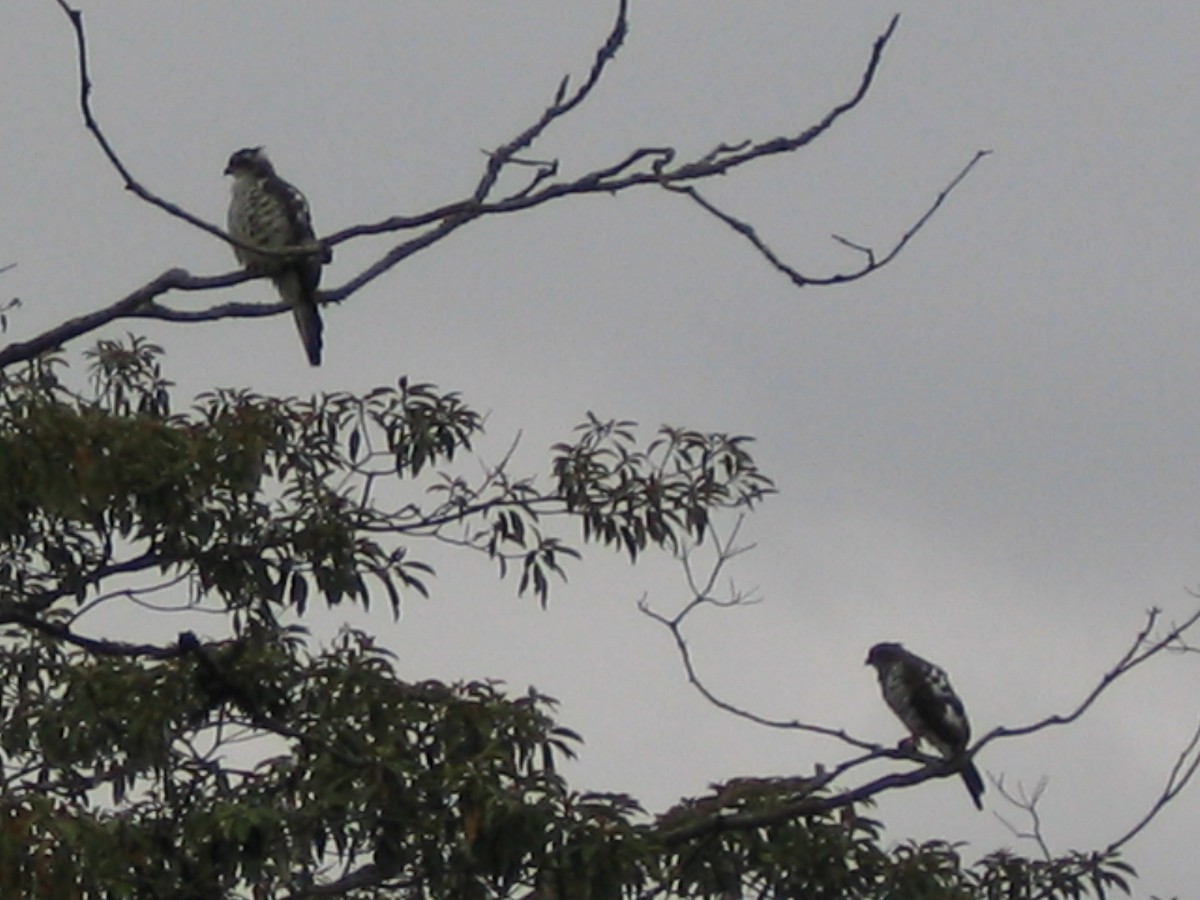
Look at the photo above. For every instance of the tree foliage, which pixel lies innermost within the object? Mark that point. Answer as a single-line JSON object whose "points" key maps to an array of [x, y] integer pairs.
{"points": [[228, 752], [265, 763]]}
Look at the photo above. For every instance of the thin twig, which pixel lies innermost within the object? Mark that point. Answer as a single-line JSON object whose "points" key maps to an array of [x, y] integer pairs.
{"points": [[1180, 775], [131, 183], [647, 166], [1141, 650], [96, 646], [1027, 803], [701, 595], [502, 156], [874, 261]]}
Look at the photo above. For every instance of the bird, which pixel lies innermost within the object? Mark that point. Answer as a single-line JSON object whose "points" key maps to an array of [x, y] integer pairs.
{"points": [[266, 211], [920, 695]]}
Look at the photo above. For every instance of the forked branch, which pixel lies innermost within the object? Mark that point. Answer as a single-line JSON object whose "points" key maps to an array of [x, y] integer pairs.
{"points": [[1143, 649], [642, 167]]}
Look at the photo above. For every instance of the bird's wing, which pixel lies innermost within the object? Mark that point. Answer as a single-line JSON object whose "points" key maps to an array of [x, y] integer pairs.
{"points": [[939, 709]]}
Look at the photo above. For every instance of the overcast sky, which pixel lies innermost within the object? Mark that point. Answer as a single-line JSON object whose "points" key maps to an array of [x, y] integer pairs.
{"points": [[987, 450]]}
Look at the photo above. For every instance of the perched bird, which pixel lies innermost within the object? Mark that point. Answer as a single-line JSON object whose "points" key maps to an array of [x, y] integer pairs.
{"points": [[920, 694], [267, 212]]}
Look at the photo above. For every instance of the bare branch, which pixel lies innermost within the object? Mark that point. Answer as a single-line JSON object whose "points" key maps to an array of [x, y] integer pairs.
{"points": [[873, 262], [465, 213], [623, 175], [1142, 650], [808, 806], [137, 597], [85, 105], [726, 157], [503, 155], [702, 595], [96, 646], [39, 601], [1180, 775], [59, 335], [139, 304], [1027, 802], [647, 166]]}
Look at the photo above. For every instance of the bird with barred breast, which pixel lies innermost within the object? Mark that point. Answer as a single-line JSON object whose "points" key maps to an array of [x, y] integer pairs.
{"points": [[920, 695], [269, 213]]}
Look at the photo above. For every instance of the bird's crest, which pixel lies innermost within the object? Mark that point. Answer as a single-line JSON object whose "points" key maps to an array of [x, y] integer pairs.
{"points": [[884, 653], [249, 159]]}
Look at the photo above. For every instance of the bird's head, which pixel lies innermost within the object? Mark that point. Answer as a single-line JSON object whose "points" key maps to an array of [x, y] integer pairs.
{"points": [[249, 161], [883, 654]]}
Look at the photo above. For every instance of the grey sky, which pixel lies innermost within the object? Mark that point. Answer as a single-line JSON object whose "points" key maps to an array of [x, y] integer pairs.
{"points": [[987, 450]]}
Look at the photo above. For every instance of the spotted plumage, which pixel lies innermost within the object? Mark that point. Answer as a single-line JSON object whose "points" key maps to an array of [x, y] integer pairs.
{"points": [[919, 693], [267, 212]]}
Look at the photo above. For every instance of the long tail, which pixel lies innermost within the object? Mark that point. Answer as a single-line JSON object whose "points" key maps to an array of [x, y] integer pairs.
{"points": [[299, 296], [308, 323], [974, 782]]}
